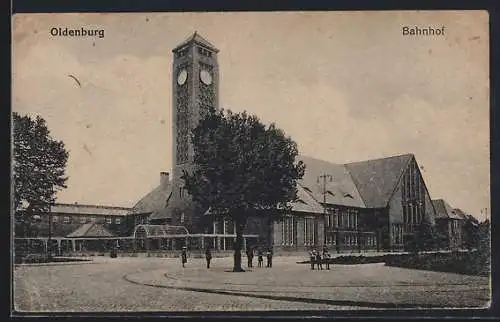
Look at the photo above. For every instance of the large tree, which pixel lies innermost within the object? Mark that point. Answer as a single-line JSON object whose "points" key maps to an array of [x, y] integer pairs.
{"points": [[38, 169], [243, 168]]}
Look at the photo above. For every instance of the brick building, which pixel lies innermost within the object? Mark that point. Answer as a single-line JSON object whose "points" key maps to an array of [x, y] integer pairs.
{"points": [[362, 205], [67, 218]]}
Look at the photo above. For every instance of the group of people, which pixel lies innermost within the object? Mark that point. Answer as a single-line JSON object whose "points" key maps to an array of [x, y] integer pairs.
{"points": [[249, 252], [260, 257], [318, 259]]}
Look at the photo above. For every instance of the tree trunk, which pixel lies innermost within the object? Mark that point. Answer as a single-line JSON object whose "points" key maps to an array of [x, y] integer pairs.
{"points": [[239, 225]]}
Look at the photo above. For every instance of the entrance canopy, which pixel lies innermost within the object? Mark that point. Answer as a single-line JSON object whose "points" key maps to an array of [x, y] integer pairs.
{"points": [[146, 231]]}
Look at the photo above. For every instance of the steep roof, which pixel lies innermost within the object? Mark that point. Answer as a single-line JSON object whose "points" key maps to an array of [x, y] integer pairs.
{"points": [[376, 179], [170, 207], [155, 201], [196, 38], [340, 191], [305, 202], [80, 209], [444, 210], [90, 230], [459, 212]]}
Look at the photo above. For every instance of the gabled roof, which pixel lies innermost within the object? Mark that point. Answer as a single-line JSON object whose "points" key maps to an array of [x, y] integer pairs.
{"points": [[444, 210], [340, 191], [173, 205], [90, 230], [196, 38], [80, 209], [376, 179], [459, 212], [155, 201], [305, 202]]}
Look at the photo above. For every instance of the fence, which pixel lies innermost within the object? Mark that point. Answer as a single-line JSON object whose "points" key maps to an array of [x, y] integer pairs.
{"points": [[63, 246]]}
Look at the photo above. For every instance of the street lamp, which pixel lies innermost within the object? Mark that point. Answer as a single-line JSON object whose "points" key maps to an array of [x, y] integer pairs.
{"points": [[325, 178]]}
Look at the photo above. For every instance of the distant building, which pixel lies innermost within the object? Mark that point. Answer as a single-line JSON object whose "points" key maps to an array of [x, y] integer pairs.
{"points": [[449, 223], [67, 218]]}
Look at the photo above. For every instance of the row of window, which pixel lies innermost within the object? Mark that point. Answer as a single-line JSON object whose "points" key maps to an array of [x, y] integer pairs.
{"points": [[84, 219], [346, 218], [350, 240]]}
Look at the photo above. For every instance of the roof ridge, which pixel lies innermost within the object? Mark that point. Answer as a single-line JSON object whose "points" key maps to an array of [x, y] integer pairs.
{"points": [[382, 158], [88, 229], [196, 37], [88, 206]]}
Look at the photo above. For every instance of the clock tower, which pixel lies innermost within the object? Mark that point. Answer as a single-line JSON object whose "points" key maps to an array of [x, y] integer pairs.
{"points": [[195, 87]]}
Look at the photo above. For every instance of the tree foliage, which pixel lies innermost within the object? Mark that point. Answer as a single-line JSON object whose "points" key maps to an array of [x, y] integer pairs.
{"points": [[426, 236], [38, 168], [243, 167]]}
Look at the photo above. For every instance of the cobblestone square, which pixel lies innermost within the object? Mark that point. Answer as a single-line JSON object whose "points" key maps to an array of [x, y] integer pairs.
{"points": [[161, 284]]}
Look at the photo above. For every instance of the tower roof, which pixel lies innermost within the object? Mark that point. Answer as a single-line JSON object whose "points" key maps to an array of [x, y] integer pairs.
{"points": [[196, 38]]}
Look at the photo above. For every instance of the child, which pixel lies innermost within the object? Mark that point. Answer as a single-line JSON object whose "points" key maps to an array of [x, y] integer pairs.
{"points": [[259, 258], [318, 261], [312, 259]]}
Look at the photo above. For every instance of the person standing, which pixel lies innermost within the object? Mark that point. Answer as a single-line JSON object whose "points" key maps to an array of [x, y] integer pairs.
{"points": [[312, 258], [259, 258], [184, 256], [269, 256], [250, 257], [318, 261], [208, 256], [326, 258]]}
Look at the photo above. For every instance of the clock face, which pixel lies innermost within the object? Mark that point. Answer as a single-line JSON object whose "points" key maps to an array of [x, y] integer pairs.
{"points": [[182, 77], [205, 77]]}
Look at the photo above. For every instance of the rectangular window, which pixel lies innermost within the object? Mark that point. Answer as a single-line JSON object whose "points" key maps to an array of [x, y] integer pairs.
{"points": [[55, 218], [108, 220], [117, 221], [309, 231], [66, 219], [83, 219], [288, 235], [93, 219]]}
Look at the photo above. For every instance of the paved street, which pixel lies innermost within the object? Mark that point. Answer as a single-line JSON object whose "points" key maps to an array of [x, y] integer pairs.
{"points": [[161, 284]]}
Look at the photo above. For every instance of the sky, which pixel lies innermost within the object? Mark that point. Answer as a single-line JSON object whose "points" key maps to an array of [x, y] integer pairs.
{"points": [[346, 86]]}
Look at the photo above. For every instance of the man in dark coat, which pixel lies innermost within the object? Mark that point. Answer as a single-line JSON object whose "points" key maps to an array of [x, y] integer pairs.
{"points": [[319, 260], [184, 256], [208, 256], [250, 257], [269, 255]]}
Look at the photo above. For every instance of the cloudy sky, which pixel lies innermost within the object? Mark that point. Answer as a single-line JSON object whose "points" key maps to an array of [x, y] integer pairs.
{"points": [[346, 86]]}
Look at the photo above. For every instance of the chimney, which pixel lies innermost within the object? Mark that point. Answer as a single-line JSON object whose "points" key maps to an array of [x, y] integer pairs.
{"points": [[164, 178]]}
